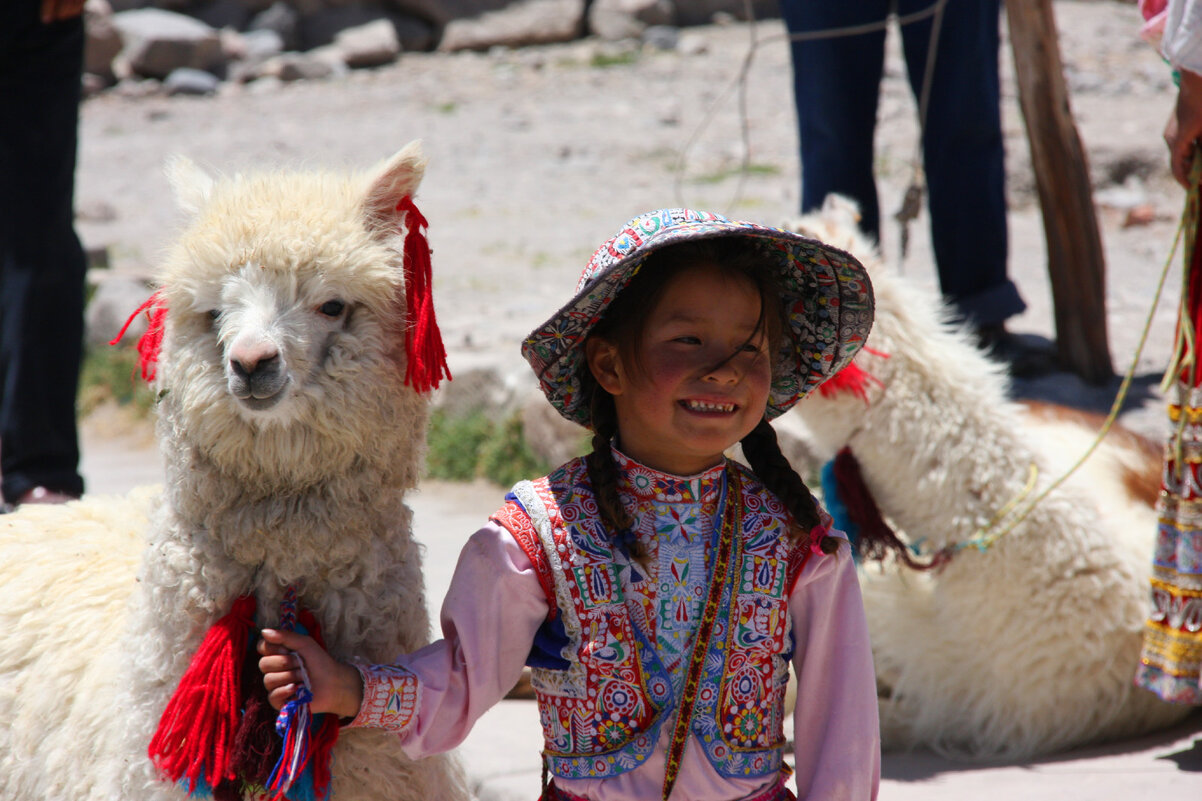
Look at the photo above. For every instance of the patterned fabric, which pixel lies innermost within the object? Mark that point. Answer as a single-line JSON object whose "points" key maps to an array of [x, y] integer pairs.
{"points": [[390, 697], [624, 631], [826, 294], [1171, 662]]}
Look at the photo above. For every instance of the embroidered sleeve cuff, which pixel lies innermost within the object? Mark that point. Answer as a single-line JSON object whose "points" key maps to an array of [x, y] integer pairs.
{"points": [[390, 698]]}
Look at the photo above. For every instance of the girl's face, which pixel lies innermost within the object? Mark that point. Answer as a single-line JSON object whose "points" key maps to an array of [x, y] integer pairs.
{"points": [[702, 376]]}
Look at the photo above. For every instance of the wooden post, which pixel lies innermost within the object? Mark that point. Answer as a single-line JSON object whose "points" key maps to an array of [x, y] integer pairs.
{"points": [[1076, 263]]}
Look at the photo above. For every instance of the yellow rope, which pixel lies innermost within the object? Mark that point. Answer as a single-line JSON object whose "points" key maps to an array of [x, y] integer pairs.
{"points": [[1183, 356]]}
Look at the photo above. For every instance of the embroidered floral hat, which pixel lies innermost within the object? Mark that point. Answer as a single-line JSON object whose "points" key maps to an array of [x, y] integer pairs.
{"points": [[826, 295]]}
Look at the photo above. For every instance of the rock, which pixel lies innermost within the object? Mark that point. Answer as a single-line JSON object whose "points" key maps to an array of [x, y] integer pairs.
{"points": [[627, 19], [320, 27], [188, 81], [295, 67], [157, 42], [103, 41], [113, 301], [281, 18], [703, 12], [661, 37], [521, 23], [548, 434], [370, 45]]}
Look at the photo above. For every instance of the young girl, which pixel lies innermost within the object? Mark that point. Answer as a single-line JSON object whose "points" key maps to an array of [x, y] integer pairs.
{"points": [[658, 589]]}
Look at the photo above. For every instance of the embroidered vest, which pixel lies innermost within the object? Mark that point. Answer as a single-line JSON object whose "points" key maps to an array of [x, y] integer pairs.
{"points": [[603, 692]]}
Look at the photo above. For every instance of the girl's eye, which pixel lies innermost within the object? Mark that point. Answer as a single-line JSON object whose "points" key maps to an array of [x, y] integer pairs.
{"points": [[332, 308], [688, 340]]}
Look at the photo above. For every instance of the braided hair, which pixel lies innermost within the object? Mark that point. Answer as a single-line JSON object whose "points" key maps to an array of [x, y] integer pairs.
{"points": [[623, 324]]}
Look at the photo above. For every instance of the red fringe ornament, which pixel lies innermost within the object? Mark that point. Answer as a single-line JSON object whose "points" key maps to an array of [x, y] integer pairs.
{"points": [[196, 731], [874, 538], [853, 379], [152, 341], [426, 356]]}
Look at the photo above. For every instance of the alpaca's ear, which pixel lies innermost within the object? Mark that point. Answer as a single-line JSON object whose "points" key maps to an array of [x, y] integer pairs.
{"points": [[390, 181], [191, 184]]}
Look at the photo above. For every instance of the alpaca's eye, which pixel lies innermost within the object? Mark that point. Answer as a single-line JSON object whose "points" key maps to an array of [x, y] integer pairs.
{"points": [[331, 308], [214, 314]]}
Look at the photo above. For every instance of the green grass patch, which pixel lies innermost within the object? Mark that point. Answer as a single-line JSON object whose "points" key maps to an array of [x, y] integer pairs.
{"points": [[731, 172], [619, 59], [474, 446], [110, 374]]}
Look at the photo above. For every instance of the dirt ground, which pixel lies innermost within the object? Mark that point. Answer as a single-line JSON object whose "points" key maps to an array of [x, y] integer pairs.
{"points": [[538, 155]]}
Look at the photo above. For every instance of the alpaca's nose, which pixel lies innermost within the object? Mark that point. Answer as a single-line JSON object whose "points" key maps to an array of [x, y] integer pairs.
{"points": [[246, 360], [247, 367]]}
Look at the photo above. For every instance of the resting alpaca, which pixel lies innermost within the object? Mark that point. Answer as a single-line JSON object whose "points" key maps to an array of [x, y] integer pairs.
{"points": [[1030, 646], [290, 437]]}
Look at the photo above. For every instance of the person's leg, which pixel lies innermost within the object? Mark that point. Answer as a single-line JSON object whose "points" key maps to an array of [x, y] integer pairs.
{"points": [[42, 264], [836, 84], [964, 157]]}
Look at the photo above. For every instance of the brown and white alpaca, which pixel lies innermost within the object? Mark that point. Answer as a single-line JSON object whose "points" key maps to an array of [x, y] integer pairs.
{"points": [[290, 436], [1030, 645]]}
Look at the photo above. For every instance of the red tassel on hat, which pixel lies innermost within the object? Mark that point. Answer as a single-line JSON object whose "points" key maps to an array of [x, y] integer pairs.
{"points": [[195, 736], [427, 358], [152, 341]]}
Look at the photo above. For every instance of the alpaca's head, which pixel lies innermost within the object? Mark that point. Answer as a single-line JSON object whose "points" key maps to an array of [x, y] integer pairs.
{"points": [[283, 360], [913, 356]]}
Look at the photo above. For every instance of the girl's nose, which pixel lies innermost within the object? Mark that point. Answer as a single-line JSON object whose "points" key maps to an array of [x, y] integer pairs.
{"points": [[724, 372]]}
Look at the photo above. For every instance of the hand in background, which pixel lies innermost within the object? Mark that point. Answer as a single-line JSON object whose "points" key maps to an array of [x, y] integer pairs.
{"points": [[1185, 126], [59, 10]]}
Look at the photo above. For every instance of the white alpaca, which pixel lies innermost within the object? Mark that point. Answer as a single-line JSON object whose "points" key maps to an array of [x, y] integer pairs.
{"points": [[290, 438], [1029, 646]]}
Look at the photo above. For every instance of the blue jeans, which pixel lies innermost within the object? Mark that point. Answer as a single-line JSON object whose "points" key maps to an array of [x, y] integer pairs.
{"points": [[42, 264], [836, 89]]}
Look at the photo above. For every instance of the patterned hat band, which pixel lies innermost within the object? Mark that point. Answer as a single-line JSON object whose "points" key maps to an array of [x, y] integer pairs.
{"points": [[825, 292]]}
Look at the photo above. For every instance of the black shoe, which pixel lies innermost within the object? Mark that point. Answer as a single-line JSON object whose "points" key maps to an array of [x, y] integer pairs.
{"points": [[1024, 357]]}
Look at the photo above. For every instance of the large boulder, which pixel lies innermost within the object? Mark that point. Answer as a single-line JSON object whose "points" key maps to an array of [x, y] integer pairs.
{"points": [[517, 24], [156, 42]]}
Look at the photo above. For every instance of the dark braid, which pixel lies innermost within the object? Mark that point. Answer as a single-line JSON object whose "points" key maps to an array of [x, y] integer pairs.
{"points": [[603, 475], [773, 469]]}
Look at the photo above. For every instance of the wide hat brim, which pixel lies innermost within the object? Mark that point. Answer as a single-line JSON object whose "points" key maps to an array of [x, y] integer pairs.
{"points": [[826, 294]]}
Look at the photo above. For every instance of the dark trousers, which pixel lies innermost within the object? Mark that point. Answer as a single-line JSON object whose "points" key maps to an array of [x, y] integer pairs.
{"points": [[42, 265], [836, 89]]}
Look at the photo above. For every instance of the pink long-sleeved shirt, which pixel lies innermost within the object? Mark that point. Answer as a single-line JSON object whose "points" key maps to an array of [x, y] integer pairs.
{"points": [[489, 618]]}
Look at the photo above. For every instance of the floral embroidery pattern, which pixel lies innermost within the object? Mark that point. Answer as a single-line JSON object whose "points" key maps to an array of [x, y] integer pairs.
{"points": [[633, 633]]}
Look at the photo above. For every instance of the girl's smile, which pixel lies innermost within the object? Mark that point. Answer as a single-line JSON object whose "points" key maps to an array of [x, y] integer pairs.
{"points": [[699, 380]]}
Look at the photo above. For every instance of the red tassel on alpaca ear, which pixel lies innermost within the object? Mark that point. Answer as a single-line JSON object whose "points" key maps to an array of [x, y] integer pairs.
{"points": [[851, 378], [195, 737], [152, 341], [426, 356]]}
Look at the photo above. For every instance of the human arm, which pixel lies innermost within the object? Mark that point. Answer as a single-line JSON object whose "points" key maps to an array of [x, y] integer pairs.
{"points": [[59, 10], [836, 729], [433, 696], [1181, 44]]}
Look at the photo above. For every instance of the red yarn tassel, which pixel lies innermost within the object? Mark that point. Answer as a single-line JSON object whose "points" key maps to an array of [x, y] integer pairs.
{"points": [[874, 536], [152, 341], [426, 356], [853, 379], [195, 736]]}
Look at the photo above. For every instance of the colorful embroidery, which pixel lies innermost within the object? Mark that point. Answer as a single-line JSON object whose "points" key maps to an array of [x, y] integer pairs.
{"points": [[628, 634], [390, 698]]}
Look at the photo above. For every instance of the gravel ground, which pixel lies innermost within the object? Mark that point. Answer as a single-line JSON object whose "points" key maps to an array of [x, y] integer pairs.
{"points": [[537, 155]]}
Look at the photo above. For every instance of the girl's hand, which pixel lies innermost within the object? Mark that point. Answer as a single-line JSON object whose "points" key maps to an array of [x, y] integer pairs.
{"points": [[336, 686]]}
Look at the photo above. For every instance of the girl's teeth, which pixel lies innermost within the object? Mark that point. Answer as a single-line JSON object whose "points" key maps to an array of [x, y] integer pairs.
{"points": [[702, 406]]}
